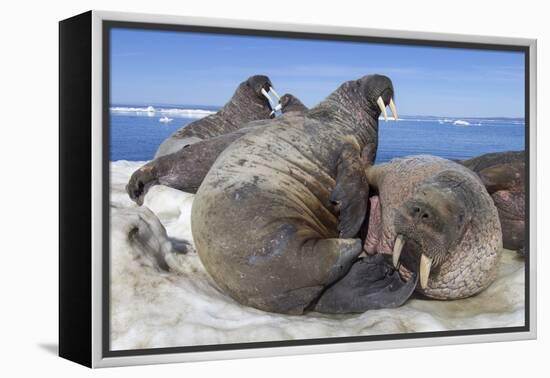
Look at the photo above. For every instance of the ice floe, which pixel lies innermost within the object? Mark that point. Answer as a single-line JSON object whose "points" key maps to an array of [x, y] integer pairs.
{"points": [[166, 119], [151, 111], [152, 307]]}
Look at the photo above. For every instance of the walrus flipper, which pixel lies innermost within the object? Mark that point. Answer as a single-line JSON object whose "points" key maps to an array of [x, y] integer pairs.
{"points": [[140, 182], [351, 191], [183, 170], [317, 263], [371, 283]]}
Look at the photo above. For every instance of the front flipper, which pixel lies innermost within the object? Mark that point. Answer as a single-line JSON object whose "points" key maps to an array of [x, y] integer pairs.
{"points": [[351, 191], [140, 182], [372, 283], [173, 170]]}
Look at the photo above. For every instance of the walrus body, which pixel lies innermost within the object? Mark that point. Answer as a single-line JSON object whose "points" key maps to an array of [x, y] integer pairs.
{"points": [[503, 174], [275, 219], [250, 102], [185, 169], [435, 217]]}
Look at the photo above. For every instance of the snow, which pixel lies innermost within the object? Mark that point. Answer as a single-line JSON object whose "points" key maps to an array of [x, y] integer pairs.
{"points": [[152, 307]]}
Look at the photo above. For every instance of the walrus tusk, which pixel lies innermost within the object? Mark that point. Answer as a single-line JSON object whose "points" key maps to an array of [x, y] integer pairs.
{"points": [[397, 248], [425, 267], [267, 96], [277, 108], [393, 109], [275, 93], [382, 107]]}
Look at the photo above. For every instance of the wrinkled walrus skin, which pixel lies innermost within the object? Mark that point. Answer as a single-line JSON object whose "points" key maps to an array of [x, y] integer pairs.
{"points": [[275, 219], [442, 211], [503, 174], [247, 104], [185, 169]]}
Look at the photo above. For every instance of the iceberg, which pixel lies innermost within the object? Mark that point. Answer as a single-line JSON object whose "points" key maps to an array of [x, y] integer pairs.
{"points": [[460, 122], [162, 297], [166, 119], [151, 111]]}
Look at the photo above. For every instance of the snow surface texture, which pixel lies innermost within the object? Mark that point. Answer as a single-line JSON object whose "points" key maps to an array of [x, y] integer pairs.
{"points": [[152, 307]]}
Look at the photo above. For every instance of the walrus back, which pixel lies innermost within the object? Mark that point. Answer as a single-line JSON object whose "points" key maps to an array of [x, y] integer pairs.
{"points": [[260, 202]]}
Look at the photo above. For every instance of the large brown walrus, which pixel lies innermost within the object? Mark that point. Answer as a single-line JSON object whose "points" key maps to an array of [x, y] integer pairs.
{"points": [[185, 169], [276, 219], [503, 174], [250, 102], [436, 218]]}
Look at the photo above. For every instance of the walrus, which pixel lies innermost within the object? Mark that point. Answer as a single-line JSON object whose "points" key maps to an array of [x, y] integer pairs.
{"points": [[435, 217], [290, 103], [503, 174], [251, 101], [276, 219], [185, 169]]}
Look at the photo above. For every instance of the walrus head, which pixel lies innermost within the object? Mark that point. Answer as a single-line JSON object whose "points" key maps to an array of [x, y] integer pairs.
{"points": [[290, 103], [261, 86], [430, 224], [378, 91], [437, 220]]}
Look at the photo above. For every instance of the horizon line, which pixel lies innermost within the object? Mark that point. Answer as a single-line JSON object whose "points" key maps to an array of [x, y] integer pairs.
{"points": [[187, 106]]}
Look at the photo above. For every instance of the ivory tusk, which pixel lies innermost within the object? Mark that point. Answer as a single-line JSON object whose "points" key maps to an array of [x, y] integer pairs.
{"points": [[267, 96], [425, 267], [382, 107], [393, 109], [397, 248], [275, 93]]}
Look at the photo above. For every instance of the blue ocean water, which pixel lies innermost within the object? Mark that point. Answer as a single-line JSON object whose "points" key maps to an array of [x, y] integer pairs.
{"points": [[136, 133]]}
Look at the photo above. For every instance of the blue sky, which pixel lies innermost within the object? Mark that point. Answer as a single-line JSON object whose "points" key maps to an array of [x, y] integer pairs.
{"points": [[159, 67]]}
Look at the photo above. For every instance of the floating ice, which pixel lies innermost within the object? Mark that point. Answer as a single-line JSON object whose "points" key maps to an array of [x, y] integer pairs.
{"points": [[150, 111], [460, 122], [166, 119], [153, 308]]}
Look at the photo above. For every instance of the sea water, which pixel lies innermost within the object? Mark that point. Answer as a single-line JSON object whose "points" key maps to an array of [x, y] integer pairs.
{"points": [[137, 131]]}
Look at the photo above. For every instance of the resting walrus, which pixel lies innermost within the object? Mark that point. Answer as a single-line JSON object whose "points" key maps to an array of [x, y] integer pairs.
{"points": [[185, 169], [503, 174], [250, 102], [435, 217], [276, 217]]}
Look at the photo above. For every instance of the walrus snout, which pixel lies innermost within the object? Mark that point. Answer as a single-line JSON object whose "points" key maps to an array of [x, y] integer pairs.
{"points": [[430, 223]]}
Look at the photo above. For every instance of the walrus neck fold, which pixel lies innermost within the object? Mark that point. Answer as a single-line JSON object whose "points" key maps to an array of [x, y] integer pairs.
{"points": [[245, 105], [350, 110]]}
